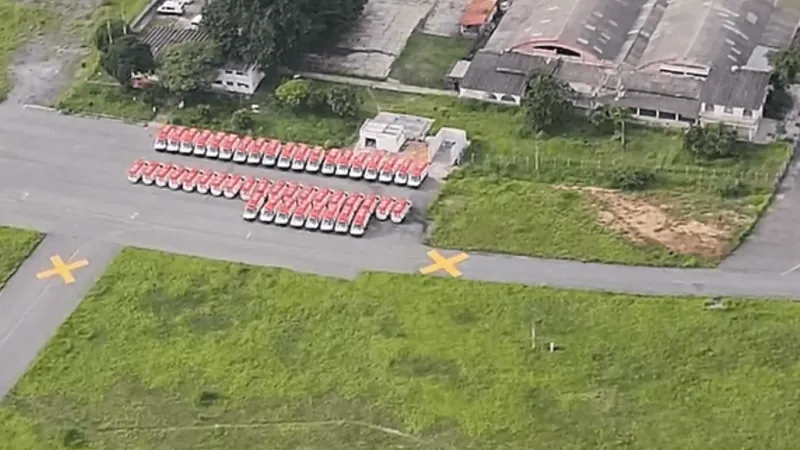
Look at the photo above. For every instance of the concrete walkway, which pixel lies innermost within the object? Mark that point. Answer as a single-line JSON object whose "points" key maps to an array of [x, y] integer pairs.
{"points": [[382, 85]]}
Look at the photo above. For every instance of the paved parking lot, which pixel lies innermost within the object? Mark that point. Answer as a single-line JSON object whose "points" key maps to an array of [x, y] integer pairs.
{"points": [[381, 35]]}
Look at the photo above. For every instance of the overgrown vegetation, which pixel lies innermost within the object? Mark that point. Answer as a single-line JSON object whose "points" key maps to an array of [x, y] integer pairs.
{"points": [[426, 59], [15, 246], [180, 353]]}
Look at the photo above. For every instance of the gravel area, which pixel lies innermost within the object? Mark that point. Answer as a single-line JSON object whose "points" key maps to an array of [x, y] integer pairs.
{"points": [[45, 66]]}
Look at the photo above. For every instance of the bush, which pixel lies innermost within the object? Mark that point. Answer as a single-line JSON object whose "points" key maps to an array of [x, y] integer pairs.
{"points": [[343, 101], [632, 179], [242, 120], [294, 93]]}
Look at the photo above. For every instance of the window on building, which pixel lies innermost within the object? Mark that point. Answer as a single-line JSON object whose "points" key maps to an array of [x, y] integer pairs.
{"points": [[229, 83], [666, 115], [240, 73], [709, 107], [370, 142], [647, 112], [507, 98], [728, 110], [228, 71], [747, 113], [217, 81], [243, 85]]}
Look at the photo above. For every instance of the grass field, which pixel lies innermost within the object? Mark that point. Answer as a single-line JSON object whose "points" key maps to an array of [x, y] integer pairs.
{"points": [[426, 59], [18, 22], [534, 219], [177, 353], [15, 246]]}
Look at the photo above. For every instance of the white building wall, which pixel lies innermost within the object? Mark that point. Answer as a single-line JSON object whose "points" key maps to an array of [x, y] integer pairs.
{"points": [[238, 81]]}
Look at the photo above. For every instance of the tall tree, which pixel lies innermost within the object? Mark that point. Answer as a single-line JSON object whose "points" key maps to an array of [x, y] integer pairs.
{"points": [[107, 32], [273, 33], [126, 56], [786, 66], [547, 102], [189, 67]]}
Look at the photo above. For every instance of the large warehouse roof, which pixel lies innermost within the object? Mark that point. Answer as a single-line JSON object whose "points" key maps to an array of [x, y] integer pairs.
{"points": [[594, 28], [702, 33], [707, 33]]}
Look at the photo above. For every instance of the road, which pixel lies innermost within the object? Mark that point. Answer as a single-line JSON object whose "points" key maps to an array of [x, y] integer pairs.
{"points": [[31, 309], [65, 175], [70, 180]]}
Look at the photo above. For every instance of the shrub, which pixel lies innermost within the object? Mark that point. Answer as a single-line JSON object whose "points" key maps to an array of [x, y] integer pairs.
{"points": [[632, 179]]}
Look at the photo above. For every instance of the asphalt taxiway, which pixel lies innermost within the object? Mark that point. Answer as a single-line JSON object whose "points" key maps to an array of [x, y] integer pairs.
{"points": [[70, 180], [43, 292]]}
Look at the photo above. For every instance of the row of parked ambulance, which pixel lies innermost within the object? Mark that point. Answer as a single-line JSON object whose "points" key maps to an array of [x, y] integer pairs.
{"points": [[278, 201], [369, 165]]}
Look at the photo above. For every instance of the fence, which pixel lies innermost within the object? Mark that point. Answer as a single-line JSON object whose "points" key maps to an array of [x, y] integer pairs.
{"points": [[602, 173]]}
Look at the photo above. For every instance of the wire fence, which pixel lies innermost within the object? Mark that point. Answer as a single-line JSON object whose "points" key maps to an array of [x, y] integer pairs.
{"points": [[604, 173]]}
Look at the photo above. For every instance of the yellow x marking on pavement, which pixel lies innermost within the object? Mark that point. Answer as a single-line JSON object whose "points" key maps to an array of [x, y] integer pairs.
{"points": [[442, 263], [62, 269]]}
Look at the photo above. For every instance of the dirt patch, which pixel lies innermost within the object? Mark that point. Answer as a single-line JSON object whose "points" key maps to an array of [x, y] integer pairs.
{"points": [[46, 64], [643, 222]]}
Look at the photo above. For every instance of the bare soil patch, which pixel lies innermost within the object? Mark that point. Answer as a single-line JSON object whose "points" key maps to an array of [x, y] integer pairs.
{"points": [[44, 67], [644, 222]]}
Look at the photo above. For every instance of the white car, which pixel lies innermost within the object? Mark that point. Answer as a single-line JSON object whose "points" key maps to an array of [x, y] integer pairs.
{"points": [[172, 8]]}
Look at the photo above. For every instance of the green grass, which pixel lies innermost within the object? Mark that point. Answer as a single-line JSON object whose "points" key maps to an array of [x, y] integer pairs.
{"points": [[533, 219], [165, 348], [18, 22], [89, 97], [15, 246], [426, 59], [273, 120]]}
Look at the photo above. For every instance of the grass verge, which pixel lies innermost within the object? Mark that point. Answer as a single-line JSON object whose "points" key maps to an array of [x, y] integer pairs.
{"points": [[18, 22], [426, 59], [15, 246], [176, 352]]}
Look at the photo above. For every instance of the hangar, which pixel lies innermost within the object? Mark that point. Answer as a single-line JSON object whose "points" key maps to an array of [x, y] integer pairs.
{"points": [[670, 61]]}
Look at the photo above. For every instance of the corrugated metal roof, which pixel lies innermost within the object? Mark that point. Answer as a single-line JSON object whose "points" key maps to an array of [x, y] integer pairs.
{"points": [[596, 28], [478, 12], [740, 89]]}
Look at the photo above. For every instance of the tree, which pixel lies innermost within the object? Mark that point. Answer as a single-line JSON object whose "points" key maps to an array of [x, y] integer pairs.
{"points": [[242, 120], [547, 102], [294, 93], [612, 119], [189, 67], [711, 141], [786, 65], [125, 56], [107, 32], [343, 101], [274, 33]]}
